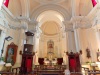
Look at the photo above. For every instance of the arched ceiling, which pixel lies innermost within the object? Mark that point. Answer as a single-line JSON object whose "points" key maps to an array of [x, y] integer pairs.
{"points": [[50, 16], [50, 22], [50, 28], [49, 1], [16, 7]]}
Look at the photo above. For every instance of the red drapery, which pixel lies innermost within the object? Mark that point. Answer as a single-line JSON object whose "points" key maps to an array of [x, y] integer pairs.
{"points": [[28, 63], [73, 63], [6, 2], [94, 2]]}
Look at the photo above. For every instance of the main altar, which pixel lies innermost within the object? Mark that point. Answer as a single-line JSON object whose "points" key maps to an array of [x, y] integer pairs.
{"points": [[49, 69]]}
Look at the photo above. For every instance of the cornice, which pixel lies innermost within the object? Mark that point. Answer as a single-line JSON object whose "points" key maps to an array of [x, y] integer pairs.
{"points": [[16, 22], [89, 21], [3, 22]]}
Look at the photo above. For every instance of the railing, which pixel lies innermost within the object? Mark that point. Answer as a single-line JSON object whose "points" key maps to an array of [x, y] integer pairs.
{"points": [[32, 73], [11, 73], [85, 71]]}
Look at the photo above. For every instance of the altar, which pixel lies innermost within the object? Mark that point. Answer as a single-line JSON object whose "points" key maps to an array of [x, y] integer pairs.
{"points": [[50, 72], [49, 69], [50, 62]]}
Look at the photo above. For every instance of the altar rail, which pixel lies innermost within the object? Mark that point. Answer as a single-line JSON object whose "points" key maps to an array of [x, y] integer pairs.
{"points": [[72, 73], [58, 68]]}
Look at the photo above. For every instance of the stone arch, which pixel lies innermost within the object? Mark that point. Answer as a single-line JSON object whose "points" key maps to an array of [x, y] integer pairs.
{"points": [[40, 9]]}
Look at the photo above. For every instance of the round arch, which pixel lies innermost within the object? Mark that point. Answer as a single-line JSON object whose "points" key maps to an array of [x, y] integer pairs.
{"points": [[59, 9]]}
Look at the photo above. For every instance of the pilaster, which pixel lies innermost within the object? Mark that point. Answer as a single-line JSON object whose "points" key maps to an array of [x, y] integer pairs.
{"points": [[97, 32], [2, 38], [77, 39]]}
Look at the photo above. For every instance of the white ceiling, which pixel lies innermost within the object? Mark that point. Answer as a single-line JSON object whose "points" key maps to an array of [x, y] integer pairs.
{"points": [[49, 1], [50, 20], [82, 7], [50, 28], [50, 16]]}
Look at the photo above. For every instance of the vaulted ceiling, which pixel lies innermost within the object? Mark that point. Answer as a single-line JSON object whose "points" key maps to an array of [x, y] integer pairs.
{"points": [[49, 11], [17, 7]]}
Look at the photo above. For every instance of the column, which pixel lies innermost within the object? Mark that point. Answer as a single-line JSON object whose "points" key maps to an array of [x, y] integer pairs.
{"points": [[20, 46], [76, 34], [25, 8], [71, 41], [24, 28], [73, 7], [98, 37], [77, 39], [2, 38]]}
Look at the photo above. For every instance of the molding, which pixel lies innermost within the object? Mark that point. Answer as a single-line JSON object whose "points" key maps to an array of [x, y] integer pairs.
{"points": [[15, 22], [3, 22], [88, 21]]}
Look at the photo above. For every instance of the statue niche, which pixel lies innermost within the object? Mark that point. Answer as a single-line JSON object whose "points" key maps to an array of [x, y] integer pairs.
{"points": [[50, 50]]}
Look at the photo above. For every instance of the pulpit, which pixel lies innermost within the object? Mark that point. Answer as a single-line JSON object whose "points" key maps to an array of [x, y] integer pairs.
{"points": [[27, 59], [74, 61]]}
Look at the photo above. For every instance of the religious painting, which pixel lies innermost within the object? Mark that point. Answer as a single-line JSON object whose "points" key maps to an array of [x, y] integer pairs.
{"points": [[50, 45], [11, 53], [50, 49], [98, 56]]}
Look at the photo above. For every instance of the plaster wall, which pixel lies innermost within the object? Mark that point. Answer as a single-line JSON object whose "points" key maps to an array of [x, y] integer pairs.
{"points": [[88, 40]]}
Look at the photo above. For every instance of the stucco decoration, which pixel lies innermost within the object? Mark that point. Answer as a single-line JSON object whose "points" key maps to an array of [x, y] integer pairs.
{"points": [[3, 21]]}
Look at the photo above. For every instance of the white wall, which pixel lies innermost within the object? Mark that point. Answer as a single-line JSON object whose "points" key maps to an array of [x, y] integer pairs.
{"points": [[88, 40]]}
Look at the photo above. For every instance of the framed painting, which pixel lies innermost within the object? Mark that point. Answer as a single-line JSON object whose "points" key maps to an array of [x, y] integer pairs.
{"points": [[11, 53]]}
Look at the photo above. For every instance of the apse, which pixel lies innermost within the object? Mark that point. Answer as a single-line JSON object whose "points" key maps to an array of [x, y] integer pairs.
{"points": [[51, 25]]}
